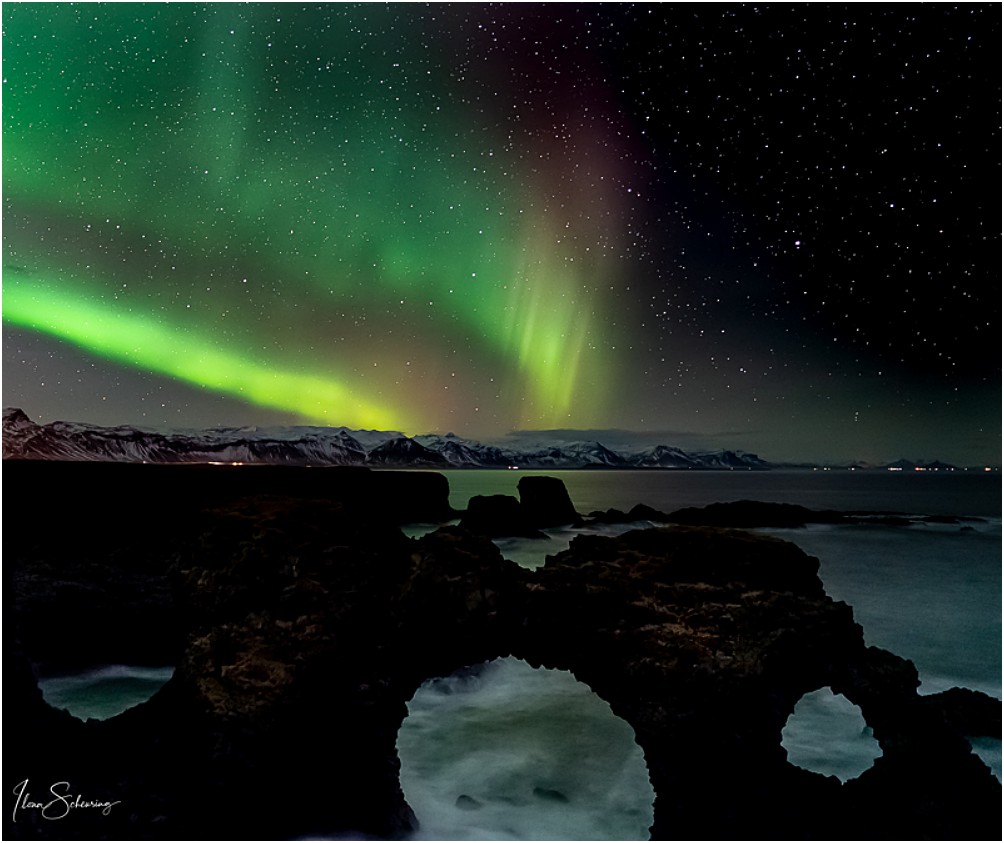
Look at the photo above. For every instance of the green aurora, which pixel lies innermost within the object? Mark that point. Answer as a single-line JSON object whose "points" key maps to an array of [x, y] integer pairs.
{"points": [[753, 227], [311, 221]]}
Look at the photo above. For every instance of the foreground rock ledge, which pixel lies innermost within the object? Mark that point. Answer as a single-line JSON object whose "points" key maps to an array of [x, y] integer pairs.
{"points": [[305, 629]]}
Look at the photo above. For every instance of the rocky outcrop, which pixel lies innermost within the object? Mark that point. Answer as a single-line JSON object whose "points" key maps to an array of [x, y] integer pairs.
{"points": [[138, 498], [93, 544], [967, 711], [752, 514], [306, 627], [639, 512], [495, 516], [546, 502], [542, 502], [741, 514], [749, 514]]}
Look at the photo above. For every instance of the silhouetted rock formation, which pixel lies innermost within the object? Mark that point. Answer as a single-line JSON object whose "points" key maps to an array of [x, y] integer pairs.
{"points": [[116, 497], [639, 512], [543, 502], [498, 515], [753, 514], [967, 711], [741, 514], [306, 626], [546, 502], [750, 514]]}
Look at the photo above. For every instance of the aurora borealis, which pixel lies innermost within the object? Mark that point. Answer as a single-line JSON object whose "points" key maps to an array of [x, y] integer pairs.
{"points": [[714, 221]]}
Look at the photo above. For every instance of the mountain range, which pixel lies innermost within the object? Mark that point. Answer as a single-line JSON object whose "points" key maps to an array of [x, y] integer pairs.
{"points": [[59, 440]]}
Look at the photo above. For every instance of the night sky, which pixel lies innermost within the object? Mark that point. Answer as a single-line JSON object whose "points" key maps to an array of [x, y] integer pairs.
{"points": [[770, 228]]}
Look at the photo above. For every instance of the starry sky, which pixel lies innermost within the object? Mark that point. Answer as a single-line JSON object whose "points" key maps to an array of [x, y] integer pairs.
{"points": [[766, 227]]}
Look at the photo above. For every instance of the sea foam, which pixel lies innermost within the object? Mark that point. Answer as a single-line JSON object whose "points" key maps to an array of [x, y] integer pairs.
{"points": [[508, 752]]}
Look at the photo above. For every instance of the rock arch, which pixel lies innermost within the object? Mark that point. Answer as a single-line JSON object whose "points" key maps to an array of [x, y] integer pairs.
{"points": [[308, 627], [525, 751], [826, 733]]}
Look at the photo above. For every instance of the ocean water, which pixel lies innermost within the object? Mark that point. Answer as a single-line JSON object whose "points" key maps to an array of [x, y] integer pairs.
{"points": [[508, 752], [103, 692], [827, 734], [929, 593]]}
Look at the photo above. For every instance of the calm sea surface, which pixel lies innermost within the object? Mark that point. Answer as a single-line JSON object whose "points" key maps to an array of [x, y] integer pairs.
{"points": [[931, 493]]}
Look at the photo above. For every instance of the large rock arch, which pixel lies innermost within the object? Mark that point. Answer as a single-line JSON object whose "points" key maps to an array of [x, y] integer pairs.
{"points": [[308, 628], [505, 749]]}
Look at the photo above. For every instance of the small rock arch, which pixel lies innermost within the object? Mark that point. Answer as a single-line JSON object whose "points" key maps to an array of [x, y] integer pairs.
{"points": [[826, 733]]}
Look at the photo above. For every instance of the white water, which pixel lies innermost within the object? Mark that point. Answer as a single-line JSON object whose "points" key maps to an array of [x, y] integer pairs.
{"points": [[517, 753]]}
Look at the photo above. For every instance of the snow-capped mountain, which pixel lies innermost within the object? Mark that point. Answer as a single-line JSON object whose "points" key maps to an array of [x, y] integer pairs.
{"points": [[23, 439], [404, 451], [664, 456], [464, 453], [574, 455], [920, 465], [729, 460]]}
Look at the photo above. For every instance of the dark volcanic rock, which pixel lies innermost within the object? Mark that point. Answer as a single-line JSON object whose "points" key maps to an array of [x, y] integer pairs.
{"points": [[152, 499], [643, 512], [638, 512], [498, 515], [752, 514], [969, 712], [111, 607], [307, 627], [89, 546], [545, 501]]}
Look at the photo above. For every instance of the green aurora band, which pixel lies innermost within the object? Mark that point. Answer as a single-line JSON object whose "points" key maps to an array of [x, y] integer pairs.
{"points": [[313, 219], [146, 344]]}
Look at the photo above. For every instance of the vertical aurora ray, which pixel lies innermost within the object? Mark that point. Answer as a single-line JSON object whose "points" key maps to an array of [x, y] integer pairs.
{"points": [[548, 325], [322, 200]]}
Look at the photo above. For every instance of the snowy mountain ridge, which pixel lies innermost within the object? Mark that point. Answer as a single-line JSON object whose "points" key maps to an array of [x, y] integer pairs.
{"points": [[308, 445]]}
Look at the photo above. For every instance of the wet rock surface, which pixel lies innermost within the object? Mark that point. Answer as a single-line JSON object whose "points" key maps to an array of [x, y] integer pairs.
{"points": [[305, 625]]}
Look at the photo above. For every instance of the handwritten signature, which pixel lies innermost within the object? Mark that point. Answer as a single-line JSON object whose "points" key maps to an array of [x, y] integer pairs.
{"points": [[61, 804]]}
